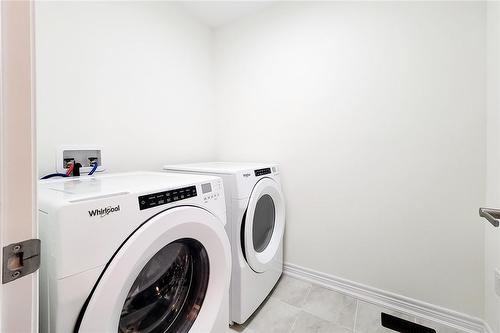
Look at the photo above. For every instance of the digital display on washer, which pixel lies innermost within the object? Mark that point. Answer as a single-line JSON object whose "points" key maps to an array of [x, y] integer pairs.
{"points": [[206, 188], [162, 198], [262, 172]]}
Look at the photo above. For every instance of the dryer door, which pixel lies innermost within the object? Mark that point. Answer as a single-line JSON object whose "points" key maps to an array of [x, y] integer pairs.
{"points": [[264, 224], [169, 276]]}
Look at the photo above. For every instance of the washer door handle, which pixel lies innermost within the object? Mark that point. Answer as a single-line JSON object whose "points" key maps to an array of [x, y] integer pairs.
{"points": [[491, 214]]}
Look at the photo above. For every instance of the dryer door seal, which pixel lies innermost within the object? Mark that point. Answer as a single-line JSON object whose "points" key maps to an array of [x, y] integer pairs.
{"points": [[264, 224]]}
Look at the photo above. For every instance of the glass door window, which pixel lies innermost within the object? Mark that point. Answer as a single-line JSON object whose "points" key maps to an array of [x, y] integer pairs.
{"points": [[168, 293], [263, 222]]}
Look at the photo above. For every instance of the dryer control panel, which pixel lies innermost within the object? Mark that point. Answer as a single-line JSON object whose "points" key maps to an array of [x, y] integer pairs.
{"points": [[166, 197], [262, 172]]}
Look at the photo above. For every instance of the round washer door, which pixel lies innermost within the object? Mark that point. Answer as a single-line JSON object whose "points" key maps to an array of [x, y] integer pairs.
{"points": [[169, 276], [264, 224]]}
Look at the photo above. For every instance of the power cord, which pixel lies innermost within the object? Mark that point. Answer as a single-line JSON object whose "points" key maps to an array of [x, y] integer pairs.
{"points": [[73, 168], [94, 168], [52, 175]]}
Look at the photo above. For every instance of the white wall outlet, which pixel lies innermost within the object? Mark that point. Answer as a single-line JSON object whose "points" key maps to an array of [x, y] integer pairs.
{"points": [[79, 154], [497, 282]]}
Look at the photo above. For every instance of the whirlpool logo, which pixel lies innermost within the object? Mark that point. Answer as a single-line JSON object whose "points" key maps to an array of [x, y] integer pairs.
{"points": [[102, 212]]}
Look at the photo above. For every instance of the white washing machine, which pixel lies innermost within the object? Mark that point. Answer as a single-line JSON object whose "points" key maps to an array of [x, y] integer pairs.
{"points": [[134, 252], [256, 224]]}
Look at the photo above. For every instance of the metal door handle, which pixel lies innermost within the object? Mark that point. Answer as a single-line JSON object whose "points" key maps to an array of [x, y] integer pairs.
{"points": [[492, 215]]}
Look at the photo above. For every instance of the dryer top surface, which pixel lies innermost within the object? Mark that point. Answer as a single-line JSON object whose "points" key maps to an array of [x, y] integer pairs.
{"points": [[219, 167]]}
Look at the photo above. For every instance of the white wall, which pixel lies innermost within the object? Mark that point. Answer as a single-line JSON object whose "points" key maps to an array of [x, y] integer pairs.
{"points": [[376, 113], [134, 78], [492, 235]]}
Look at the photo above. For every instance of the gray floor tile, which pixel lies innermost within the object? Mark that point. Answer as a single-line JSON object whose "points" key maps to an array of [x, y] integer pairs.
{"points": [[331, 306], [440, 328], [292, 291], [274, 316], [296, 306], [307, 323], [368, 318]]}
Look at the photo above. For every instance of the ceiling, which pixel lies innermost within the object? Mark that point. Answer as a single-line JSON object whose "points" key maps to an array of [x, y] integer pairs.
{"points": [[217, 13]]}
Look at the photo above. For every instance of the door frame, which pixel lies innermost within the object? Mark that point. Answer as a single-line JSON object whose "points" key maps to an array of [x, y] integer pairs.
{"points": [[18, 169]]}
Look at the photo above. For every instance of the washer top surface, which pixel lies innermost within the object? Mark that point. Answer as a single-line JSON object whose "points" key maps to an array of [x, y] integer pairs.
{"points": [[99, 186], [218, 167], [107, 209]]}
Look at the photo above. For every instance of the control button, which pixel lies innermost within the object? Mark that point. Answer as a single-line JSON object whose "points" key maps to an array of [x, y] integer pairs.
{"points": [[161, 198]]}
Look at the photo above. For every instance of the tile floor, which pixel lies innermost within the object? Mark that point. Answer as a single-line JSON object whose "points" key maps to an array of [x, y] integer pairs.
{"points": [[296, 306]]}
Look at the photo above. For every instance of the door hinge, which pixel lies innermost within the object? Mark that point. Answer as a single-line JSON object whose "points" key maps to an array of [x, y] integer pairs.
{"points": [[20, 259]]}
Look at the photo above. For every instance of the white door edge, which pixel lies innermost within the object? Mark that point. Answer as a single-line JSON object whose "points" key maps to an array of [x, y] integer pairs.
{"points": [[263, 260], [18, 208], [104, 308]]}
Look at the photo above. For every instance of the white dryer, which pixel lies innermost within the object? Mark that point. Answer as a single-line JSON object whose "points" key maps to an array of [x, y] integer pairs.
{"points": [[256, 224], [135, 252]]}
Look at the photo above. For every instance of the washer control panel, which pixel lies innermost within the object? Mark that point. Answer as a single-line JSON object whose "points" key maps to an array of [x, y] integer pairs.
{"points": [[211, 191], [163, 198]]}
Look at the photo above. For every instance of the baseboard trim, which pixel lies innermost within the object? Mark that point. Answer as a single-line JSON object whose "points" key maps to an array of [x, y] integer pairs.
{"points": [[389, 300]]}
